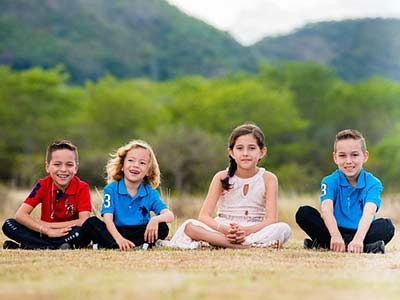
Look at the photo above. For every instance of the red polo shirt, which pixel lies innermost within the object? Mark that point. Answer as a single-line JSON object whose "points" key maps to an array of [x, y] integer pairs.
{"points": [[58, 206]]}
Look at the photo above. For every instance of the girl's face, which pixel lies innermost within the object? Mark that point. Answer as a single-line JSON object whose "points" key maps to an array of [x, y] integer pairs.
{"points": [[136, 165], [246, 152]]}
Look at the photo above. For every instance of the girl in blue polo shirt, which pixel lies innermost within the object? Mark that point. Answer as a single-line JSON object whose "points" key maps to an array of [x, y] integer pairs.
{"points": [[133, 176], [350, 197]]}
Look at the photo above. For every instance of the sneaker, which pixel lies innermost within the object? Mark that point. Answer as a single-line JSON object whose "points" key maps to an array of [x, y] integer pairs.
{"points": [[376, 247], [11, 245], [311, 244], [65, 246]]}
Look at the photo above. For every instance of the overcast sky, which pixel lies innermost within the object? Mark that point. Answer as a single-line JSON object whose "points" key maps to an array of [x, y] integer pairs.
{"points": [[250, 20]]}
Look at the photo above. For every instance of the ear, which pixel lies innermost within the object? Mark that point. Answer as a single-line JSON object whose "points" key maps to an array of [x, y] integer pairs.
{"points": [[230, 152], [334, 157], [76, 168], [263, 152], [366, 155], [46, 167]]}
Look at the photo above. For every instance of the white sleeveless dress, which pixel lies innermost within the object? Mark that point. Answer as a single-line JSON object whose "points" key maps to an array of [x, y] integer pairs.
{"points": [[244, 204]]}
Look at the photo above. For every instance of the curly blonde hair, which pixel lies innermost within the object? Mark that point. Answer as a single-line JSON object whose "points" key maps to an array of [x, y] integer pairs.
{"points": [[115, 163]]}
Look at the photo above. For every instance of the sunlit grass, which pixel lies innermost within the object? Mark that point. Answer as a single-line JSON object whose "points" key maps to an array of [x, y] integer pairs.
{"points": [[290, 273]]}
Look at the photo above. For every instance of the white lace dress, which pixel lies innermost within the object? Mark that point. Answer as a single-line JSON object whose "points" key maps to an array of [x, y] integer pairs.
{"points": [[244, 204]]}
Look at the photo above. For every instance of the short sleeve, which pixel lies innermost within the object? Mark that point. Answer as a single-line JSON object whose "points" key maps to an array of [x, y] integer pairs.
{"points": [[84, 199], [34, 197], [374, 194], [157, 204], [328, 187], [108, 201]]}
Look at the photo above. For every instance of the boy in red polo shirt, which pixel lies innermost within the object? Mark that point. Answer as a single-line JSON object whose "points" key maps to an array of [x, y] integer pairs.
{"points": [[65, 205]]}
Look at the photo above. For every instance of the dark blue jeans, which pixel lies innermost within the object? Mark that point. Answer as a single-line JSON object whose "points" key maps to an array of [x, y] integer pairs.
{"points": [[309, 219], [30, 239], [94, 229]]}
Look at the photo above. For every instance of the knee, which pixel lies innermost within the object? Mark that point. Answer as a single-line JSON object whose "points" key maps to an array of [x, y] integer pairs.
{"points": [[191, 230], [9, 226], [90, 222], [302, 213], [163, 230], [286, 229], [390, 229]]}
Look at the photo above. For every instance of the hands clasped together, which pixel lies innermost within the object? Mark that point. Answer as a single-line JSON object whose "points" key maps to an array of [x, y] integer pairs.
{"points": [[235, 233]]}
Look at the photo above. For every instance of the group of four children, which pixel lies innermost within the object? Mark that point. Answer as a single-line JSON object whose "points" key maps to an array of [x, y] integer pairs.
{"points": [[244, 194]]}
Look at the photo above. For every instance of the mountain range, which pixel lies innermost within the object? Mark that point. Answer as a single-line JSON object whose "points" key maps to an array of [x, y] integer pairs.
{"points": [[153, 39]]}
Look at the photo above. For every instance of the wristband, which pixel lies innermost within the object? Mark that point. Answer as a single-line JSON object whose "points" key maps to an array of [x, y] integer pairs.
{"points": [[41, 230]]}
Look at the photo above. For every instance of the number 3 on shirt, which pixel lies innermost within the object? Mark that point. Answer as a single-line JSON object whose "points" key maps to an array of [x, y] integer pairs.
{"points": [[323, 189], [107, 202]]}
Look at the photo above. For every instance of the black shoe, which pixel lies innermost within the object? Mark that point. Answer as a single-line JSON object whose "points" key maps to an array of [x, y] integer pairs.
{"points": [[65, 246], [11, 245], [311, 244], [376, 247]]}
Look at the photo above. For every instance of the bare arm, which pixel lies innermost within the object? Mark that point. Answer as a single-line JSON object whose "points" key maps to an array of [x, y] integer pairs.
{"points": [[337, 242], [23, 216], [210, 203], [122, 242], [357, 244], [151, 233], [83, 215]]}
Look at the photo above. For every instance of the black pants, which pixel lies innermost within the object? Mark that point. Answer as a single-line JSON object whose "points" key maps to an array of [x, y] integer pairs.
{"points": [[30, 239], [309, 219], [93, 229]]}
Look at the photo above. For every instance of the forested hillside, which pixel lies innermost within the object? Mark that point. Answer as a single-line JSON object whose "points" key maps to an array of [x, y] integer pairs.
{"points": [[355, 49], [126, 38], [137, 38]]}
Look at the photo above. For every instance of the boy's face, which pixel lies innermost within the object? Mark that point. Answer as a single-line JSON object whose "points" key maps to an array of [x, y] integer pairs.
{"points": [[62, 167], [136, 165], [349, 157]]}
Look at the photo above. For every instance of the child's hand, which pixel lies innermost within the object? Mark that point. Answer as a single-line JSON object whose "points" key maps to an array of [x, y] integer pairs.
{"points": [[125, 244], [56, 232], [355, 246], [151, 233], [235, 234], [337, 244]]}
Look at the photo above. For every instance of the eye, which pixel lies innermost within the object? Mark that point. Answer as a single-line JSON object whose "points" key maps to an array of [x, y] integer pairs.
{"points": [[70, 164], [143, 163]]}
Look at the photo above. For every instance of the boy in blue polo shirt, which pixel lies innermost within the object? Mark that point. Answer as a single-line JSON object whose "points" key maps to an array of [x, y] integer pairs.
{"points": [[350, 197], [132, 175]]}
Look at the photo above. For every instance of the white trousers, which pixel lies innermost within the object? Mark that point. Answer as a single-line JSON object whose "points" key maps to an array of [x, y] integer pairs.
{"points": [[277, 231]]}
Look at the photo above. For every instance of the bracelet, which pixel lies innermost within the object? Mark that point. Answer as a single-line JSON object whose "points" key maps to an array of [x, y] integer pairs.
{"points": [[41, 230]]}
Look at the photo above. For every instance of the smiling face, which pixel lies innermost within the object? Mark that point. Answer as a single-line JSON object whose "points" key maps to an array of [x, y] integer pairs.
{"points": [[246, 152], [61, 167], [350, 157], [136, 165]]}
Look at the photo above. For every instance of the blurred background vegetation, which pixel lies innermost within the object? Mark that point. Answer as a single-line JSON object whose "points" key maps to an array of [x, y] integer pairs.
{"points": [[104, 72]]}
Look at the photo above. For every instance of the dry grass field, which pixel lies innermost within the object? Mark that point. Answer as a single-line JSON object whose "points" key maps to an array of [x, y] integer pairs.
{"points": [[289, 273]]}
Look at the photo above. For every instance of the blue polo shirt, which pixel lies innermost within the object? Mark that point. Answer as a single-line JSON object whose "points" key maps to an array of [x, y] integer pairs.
{"points": [[129, 210], [349, 201]]}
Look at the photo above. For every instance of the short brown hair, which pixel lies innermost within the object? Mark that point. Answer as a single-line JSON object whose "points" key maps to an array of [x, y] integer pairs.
{"points": [[59, 145], [350, 134]]}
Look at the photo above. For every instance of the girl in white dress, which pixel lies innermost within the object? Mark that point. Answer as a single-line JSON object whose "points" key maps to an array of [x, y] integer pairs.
{"points": [[246, 200]]}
